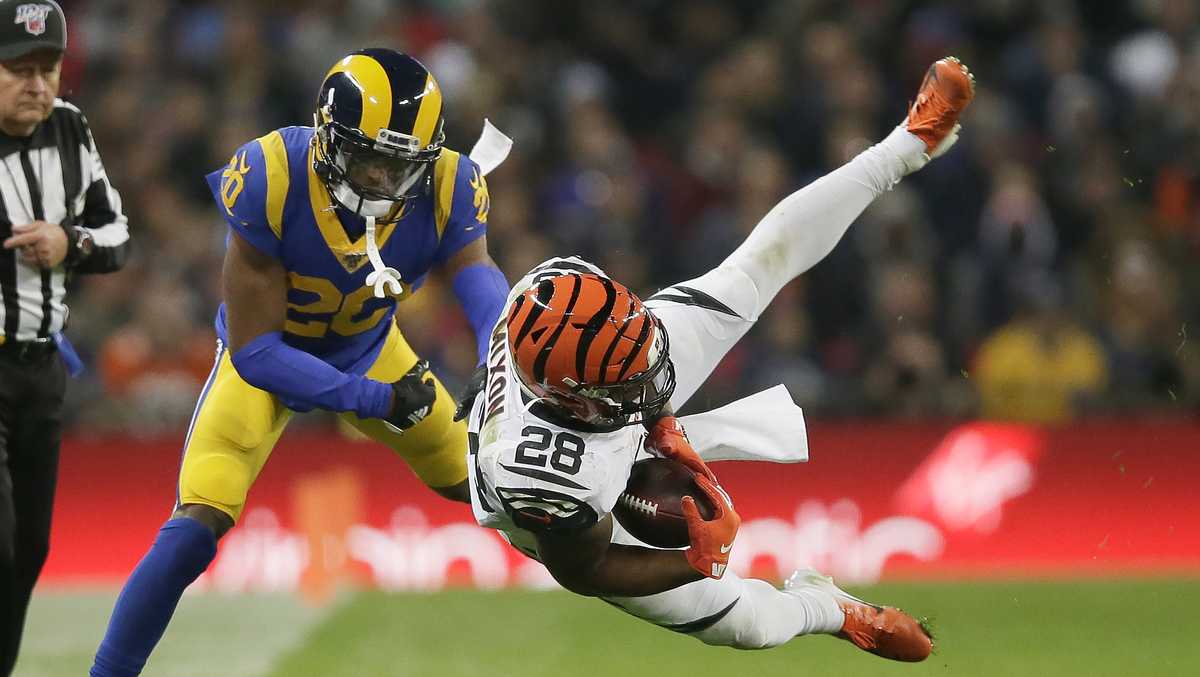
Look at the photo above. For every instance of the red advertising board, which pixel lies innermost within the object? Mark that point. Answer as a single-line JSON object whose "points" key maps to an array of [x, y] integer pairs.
{"points": [[875, 501]]}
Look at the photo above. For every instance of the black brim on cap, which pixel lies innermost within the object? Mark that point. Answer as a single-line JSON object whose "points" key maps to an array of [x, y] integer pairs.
{"points": [[22, 48]]}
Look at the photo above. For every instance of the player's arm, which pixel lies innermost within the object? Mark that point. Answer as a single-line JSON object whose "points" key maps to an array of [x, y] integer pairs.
{"points": [[480, 287], [462, 258], [587, 563], [462, 254], [668, 439], [255, 289], [482, 292]]}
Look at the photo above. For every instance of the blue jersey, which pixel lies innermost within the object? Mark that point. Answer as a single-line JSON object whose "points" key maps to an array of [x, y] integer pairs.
{"points": [[270, 194]]}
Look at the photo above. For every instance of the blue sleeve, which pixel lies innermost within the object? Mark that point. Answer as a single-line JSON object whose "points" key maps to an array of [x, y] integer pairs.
{"points": [[304, 382], [482, 291], [468, 210], [240, 191]]}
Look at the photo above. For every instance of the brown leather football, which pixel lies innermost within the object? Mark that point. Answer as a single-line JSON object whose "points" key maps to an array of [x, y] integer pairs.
{"points": [[651, 507]]}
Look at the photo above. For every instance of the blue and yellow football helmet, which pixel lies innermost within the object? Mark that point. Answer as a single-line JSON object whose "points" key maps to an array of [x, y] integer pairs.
{"points": [[379, 131]]}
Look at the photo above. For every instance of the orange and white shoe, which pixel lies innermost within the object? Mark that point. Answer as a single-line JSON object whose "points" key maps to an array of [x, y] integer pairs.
{"points": [[884, 631], [945, 93]]}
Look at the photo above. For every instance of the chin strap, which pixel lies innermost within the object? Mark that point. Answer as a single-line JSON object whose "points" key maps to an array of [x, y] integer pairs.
{"points": [[381, 276]]}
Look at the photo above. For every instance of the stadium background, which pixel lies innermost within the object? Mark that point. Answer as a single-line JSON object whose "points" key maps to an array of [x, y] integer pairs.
{"points": [[1043, 275]]}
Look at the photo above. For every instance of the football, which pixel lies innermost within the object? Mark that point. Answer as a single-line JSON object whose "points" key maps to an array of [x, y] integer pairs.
{"points": [[651, 507]]}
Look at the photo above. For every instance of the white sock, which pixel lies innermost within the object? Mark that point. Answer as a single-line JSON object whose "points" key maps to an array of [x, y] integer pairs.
{"points": [[806, 225]]}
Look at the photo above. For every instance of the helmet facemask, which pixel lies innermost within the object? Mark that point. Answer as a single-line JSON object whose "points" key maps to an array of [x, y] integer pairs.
{"points": [[373, 178]]}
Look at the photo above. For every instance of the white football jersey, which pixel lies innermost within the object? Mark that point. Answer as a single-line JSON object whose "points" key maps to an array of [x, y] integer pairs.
{"points": [[527, 472]]}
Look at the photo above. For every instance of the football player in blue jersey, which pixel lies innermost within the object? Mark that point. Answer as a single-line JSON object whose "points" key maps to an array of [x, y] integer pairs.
{"points": [[330, 227]]}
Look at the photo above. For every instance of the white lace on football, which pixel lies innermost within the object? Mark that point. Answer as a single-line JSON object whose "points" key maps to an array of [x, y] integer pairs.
{"points": [[640, 504], [381, 276]]}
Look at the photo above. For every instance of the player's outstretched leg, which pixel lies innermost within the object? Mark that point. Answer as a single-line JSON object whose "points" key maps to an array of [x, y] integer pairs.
{"points": [[804, 227], [801, 230], [182, 551], [747, 613], [887, 631], [184, 548], [235, 427], [743, 613]]}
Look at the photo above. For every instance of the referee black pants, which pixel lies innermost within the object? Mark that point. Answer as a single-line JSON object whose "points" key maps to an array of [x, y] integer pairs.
{"points": [[31, 402]]}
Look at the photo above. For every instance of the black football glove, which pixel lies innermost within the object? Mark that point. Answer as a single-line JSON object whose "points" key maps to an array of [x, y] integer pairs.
{"points": [[412, 398], [469, 393]]}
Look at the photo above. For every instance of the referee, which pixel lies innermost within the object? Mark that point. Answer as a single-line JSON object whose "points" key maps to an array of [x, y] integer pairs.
{"points": [[58, 216]]}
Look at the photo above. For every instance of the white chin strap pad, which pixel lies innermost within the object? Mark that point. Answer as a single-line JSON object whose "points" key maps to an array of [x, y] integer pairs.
{"points": [[369, 208]]}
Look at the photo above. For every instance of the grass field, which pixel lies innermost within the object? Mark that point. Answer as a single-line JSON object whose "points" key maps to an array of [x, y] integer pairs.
{"points": [[1093, 629]]}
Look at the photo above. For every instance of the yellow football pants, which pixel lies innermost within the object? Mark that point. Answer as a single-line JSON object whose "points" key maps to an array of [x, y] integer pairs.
{"points": [[237, 425]]}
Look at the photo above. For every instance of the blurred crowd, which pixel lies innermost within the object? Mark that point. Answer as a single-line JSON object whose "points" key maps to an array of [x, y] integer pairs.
{"points": [[1044, 269]]}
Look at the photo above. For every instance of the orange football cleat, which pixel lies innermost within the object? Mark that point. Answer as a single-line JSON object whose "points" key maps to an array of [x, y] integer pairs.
{"points": [[945, 92], [884, 631]]}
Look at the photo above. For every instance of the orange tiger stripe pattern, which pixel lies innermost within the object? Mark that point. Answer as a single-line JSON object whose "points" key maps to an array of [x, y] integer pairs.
{"points": [[579, 329]]}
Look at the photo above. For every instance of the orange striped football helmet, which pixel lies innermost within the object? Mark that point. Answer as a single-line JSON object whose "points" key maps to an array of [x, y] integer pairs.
{"points": [[588, 346]]}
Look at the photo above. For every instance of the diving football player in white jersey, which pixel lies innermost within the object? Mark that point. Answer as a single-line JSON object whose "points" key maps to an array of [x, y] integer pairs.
{"points": [[582, 376]]}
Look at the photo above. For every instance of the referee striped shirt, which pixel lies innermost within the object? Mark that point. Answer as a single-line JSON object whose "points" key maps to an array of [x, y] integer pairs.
{"points": [[54, 175]]}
